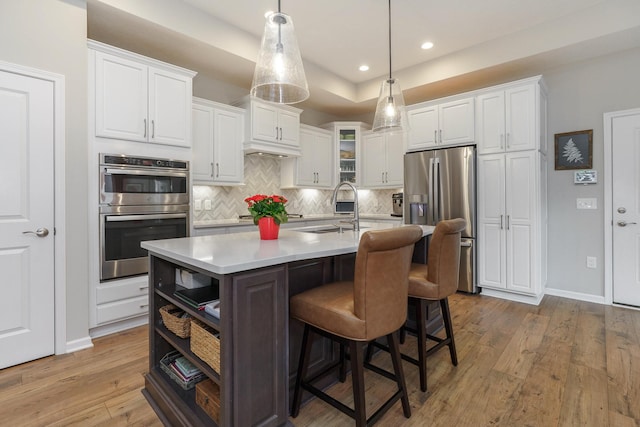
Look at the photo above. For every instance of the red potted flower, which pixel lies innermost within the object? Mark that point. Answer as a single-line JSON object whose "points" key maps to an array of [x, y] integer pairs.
{"points": [[268, 212]]}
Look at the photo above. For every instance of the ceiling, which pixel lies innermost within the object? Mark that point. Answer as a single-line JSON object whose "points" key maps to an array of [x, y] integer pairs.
{"points": [[477, 43]]}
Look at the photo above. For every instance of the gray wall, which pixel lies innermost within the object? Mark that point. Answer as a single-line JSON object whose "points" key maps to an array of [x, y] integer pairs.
{"points": [[51, 35], [579, 95]]}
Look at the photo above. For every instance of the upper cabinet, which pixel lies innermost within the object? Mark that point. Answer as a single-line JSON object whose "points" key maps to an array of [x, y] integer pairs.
{"points": [[271, 128], [436, 125], [382, 160], [509, 119], [140, 99], [315, 167], [347, 157], [218, 133]]}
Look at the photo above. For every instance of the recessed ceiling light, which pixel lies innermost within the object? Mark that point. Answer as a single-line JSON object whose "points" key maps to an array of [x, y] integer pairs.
{"points": [[426, 45], [363, 68]]}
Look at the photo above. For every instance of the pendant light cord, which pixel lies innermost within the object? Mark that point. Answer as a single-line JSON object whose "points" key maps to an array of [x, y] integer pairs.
{"points": [[389, 39]]}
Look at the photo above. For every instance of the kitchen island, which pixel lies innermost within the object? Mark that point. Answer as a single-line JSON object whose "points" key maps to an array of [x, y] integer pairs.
{"points": [[257, 345]]}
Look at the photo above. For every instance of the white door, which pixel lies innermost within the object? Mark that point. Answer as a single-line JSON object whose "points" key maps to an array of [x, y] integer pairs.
{"points": [[26, 218], [626, 208]]}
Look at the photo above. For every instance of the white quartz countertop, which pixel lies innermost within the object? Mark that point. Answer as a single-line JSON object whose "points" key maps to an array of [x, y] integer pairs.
{"points": [[232, 253], [248, 221]]}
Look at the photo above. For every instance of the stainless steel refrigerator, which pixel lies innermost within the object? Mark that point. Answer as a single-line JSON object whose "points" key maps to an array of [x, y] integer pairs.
{"points": [[441, 184]]}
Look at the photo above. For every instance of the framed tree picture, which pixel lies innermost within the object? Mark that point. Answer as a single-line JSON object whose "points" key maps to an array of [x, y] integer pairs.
{"points": [[574, 150]]}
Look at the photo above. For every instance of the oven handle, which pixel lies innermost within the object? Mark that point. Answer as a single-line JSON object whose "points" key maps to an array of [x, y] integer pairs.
{"points": [[143, 172], [116, 218]]}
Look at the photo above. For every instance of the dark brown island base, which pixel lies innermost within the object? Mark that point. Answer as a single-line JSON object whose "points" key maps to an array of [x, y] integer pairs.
{"points": [[249, 355]]}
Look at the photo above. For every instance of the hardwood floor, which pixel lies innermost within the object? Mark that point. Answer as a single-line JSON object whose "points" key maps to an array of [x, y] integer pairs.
{"points": [[563, 363]]}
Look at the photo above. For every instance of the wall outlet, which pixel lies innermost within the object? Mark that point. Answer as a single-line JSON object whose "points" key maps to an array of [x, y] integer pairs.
{"points": [[198, 205], [591, 262], [207, 205]]}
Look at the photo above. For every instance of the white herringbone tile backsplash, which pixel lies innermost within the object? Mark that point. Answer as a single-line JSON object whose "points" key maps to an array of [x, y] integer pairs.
{"points": [[262, 176]]}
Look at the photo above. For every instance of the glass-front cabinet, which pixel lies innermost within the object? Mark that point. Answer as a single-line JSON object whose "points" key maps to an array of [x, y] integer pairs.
{"points": [[348, 140]]}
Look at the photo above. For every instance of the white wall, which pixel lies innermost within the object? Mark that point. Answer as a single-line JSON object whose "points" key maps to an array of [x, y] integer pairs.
{"points": [[579, 95], [51, 35]]}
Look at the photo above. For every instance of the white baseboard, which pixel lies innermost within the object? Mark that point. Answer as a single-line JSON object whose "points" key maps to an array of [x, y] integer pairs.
{"points": [[79, 344], [512, 296], [598, 299], [123, 325]]}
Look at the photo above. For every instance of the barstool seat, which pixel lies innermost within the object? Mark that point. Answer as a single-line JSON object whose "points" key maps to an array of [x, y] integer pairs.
{"points": [[352, 313], [436, 281]]}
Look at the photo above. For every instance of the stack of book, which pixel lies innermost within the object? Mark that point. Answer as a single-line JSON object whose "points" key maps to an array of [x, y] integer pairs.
{"points": [[198, 297], [183, 372]]}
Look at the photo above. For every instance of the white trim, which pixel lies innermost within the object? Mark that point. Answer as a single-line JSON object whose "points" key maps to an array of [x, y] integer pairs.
{"points": [[512, 296], [598, 299], [59, 142], [607, 180], [123, 325], [79, 344]]}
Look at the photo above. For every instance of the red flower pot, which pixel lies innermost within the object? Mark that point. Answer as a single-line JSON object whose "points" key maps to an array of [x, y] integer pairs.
{"points": [[268, 228]]}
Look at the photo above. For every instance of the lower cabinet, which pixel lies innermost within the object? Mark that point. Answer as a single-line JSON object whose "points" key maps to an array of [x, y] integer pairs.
{"points": [[120, 299], [248, 342]]}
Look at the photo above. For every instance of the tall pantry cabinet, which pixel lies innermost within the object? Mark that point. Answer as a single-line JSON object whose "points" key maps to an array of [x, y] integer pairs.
{"points": [[511, 132]]}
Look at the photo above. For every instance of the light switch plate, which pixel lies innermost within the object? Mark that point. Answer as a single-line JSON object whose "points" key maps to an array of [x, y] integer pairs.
{"points": [[198, 205], [207, 205], [586, 203]]}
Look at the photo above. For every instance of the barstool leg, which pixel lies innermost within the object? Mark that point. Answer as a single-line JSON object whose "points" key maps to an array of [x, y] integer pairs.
{"points": [[343, 364], [394, 349], [303, 363], [446, 316], [421, 326], [357, 377]]}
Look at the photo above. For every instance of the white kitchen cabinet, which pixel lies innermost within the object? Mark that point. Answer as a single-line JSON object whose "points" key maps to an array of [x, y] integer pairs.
{"points": [[512, 224], [382, 160], [443, 124], [271, 128], [315, 167], [506, 120], [140, 99], [218, 133], [348, 143]]}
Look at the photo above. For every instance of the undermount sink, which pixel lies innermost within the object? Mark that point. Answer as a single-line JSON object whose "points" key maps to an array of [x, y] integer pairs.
{"points": [[329, 229]]}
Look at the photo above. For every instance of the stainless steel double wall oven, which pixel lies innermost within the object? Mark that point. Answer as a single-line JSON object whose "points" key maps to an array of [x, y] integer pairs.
{"points": [[140, 199]]}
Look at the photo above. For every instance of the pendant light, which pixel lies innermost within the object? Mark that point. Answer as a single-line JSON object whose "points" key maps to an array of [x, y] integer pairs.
{"points": [[390, 113], [279, 74]]}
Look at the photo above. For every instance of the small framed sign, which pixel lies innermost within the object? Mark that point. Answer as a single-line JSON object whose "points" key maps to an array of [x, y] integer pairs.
{"points": [[585, 177], [574, 150]]}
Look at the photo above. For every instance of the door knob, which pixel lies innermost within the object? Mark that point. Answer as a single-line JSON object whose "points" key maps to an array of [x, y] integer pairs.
{"points": [[40, 232], [625, 223]]}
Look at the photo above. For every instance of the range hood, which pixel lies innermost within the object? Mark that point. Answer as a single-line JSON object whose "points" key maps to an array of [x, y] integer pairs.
{"points": [[276, 150]]}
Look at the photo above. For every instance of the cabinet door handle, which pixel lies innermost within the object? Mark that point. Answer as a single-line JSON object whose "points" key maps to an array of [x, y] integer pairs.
{"points": [[440, 136], [508, 222], [277, 132], [280, 134], [502, 141], [145, 127], [153, 129], [386, 177], [435, 136], [508, 140], [217, 170], [211, 169], [501, 218]]}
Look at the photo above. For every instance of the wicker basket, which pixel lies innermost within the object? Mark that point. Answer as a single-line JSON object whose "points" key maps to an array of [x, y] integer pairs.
{"points": [[205, 344], [208, 398], [181, 326]]}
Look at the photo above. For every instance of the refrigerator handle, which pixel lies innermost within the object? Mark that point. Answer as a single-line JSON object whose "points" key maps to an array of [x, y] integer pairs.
{"points": [[435, 206]]}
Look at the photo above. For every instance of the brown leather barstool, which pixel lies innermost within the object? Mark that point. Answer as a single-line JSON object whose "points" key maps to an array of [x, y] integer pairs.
{"points": [[354, 312], [435, 281]]}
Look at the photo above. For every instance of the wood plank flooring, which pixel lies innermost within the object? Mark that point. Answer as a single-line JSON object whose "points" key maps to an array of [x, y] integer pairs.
{"points": [[563, 363]]}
